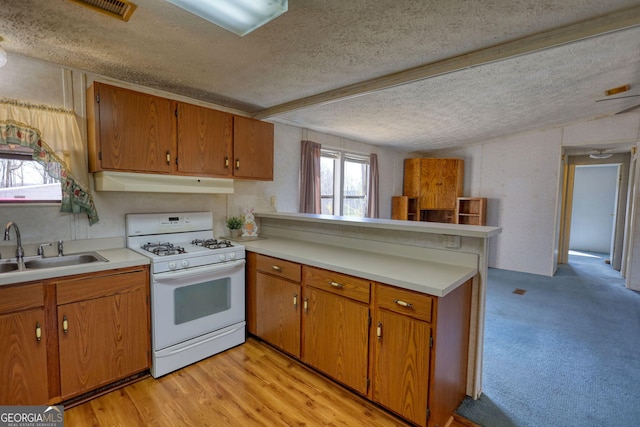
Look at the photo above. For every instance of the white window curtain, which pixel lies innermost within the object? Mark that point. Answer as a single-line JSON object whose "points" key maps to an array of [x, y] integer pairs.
{"points": [[373, 199], [54, 136], [310, 177]]}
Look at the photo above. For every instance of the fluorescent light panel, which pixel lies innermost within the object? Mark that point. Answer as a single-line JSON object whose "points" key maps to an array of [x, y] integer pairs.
{"points": [[238, 16]]}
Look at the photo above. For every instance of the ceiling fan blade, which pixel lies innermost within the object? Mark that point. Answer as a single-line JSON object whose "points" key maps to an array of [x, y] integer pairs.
{"points": [[630, 109], [618, 97]]}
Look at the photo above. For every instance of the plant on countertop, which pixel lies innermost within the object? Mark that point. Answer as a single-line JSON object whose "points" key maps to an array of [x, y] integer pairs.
{"points": [[234, 223]]}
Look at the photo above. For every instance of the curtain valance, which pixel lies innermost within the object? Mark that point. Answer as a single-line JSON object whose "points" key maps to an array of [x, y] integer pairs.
{"points": [[53, 135]]}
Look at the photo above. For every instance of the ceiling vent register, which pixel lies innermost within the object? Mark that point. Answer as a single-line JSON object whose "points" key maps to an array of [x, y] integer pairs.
{"points": [[121, 9]]}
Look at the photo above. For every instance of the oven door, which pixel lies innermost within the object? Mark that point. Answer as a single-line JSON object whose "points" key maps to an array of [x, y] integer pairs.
{"points": [[196, 301]]}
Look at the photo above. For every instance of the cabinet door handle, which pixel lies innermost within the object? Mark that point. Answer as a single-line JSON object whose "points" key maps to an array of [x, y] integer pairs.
{"points": [[295, 300], [402, 303], [276, 268], [336, 285], [168, 158], [65, 324], [38, 332], [379, 331], [226, 162], [306, 305], [237, 163]]}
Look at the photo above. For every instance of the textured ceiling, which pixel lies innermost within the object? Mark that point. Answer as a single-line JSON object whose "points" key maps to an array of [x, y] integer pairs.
{"points": [[320, 46]]}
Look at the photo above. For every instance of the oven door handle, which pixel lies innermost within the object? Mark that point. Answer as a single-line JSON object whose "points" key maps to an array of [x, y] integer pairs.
{"points": [[198, 271]]}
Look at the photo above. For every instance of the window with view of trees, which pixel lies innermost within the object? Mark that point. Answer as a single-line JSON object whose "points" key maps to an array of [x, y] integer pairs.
{"points": [[23, 179], [344, 183]]}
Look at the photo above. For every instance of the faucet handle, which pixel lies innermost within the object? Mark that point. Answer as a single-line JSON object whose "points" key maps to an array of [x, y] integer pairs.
{"points": [[41, 248], [60, 248]]}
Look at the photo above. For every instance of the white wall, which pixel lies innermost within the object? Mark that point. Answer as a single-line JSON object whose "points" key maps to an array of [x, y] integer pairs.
{"points": [[521, 176], [41, 82], [594, 204]]}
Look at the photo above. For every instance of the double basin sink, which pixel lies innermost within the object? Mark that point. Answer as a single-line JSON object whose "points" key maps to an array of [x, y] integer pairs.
{"points": [[39, 262]]}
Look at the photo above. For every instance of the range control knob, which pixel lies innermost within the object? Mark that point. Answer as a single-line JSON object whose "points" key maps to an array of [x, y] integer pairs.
{"points": [[172, 265], [223, 257], [232, 255], [185, 263]]}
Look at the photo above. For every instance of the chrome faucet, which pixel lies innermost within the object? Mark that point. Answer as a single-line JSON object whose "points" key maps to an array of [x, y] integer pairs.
{"points": [[19, 250], [41, 248], [60, 248]]}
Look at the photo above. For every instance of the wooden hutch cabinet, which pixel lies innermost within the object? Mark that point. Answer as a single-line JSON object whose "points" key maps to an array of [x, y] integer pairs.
{"points": [[436, 183]]}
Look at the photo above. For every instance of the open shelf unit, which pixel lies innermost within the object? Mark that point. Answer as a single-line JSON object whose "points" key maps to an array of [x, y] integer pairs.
{"points": [[471, 210]]}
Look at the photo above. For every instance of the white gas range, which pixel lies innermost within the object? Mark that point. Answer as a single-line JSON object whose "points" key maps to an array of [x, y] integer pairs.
{"points": [[197, 287]]}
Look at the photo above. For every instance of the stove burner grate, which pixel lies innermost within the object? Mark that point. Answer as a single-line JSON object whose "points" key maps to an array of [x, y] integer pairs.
{"points": [[163, 248], [212, 243]]}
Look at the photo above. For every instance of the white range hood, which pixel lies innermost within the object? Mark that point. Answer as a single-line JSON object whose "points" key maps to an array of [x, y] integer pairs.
{"points": [[154, 183]]}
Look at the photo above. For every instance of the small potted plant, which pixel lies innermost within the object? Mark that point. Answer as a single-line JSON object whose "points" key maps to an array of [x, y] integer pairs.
{"points": [[234, 223]]}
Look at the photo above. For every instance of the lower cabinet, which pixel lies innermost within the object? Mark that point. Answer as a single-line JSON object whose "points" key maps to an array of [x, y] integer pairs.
{"points": [[278, 296], [103, 330], [405, 350], [336, 331], [23, 338], [402, 352], [102, 335]]}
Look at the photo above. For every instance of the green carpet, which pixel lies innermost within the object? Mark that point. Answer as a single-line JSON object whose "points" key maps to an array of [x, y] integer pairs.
{"points": [[565, 353]]}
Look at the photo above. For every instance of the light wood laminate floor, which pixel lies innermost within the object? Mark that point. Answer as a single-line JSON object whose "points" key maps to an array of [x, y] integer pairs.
{"points": [[249, 385]]}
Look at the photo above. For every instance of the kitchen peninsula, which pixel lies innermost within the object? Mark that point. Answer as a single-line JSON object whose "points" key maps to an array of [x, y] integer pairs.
{"points": [[324, 280]]}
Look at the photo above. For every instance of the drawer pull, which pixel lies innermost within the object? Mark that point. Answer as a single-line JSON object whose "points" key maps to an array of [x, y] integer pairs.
{"points": [[38, 332], [65, 324], [276, 268], [295, 300], [379, 331], [336, 285], [402, 303]]}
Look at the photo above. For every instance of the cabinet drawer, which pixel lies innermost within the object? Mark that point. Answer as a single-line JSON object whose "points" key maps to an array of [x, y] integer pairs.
{"points": [[100, 285], [403, 301], [279, 267], [337, 283], [21, 297]]}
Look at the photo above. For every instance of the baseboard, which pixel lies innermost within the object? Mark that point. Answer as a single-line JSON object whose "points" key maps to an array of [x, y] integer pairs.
{"points": [[459, 421]]}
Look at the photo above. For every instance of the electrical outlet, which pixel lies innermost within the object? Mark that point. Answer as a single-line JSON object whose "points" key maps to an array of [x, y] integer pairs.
{"points": [[451, 242], [274, 201]]}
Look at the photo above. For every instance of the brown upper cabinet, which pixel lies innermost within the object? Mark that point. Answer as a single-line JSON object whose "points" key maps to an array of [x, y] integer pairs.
{"points": [[205, 140], [129, 131], [252, 149]]}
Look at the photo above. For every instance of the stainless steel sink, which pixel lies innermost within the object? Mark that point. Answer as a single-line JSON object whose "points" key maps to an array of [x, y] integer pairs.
{"points": [[8, 266], [64, 261]]}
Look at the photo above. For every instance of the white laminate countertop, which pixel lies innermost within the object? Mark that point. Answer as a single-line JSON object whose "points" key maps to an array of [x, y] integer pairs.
{"points": [[118, 258], [422, 275], [463, 230]]}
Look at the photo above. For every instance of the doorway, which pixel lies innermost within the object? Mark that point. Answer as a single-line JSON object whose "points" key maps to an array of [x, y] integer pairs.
{"points": [[594, 205], [593, 217]]}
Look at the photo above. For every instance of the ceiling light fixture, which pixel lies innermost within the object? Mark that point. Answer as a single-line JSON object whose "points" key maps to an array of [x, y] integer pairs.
{"points": [[3, 55], [238, 16], [617, 90], [600, 154]]}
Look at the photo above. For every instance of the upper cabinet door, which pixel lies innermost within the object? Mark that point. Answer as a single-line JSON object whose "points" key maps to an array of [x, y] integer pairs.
{"points": [[441, 183], [133, 131], [205, 138], [252, 149]]}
